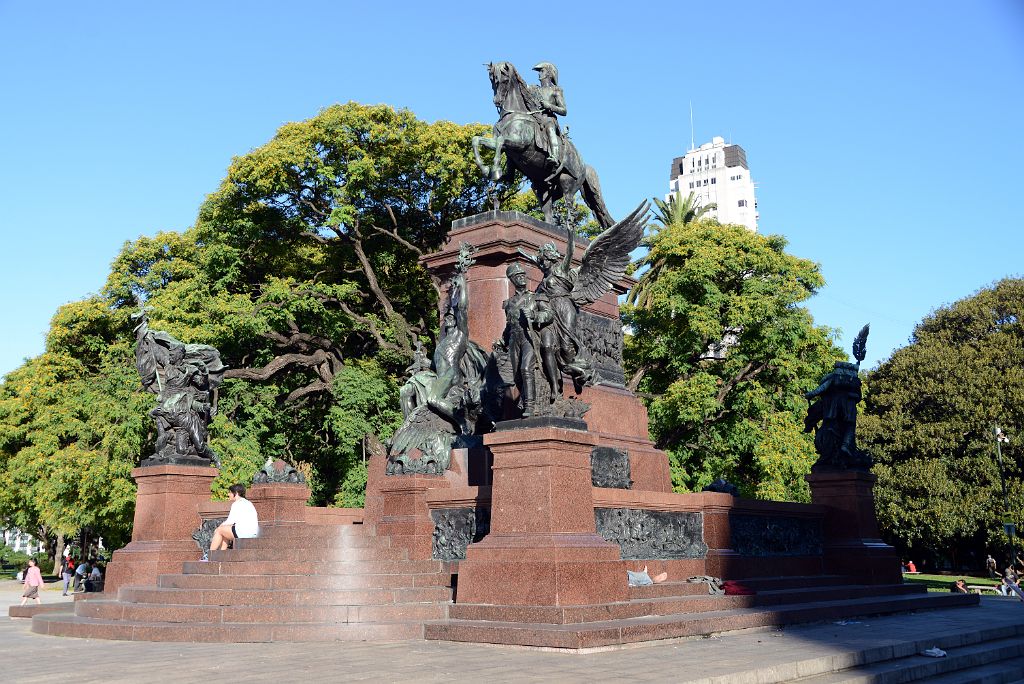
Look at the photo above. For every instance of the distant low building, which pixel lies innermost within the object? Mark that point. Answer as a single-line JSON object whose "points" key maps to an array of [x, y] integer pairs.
{"points": [[22, 542], [717, 172]]}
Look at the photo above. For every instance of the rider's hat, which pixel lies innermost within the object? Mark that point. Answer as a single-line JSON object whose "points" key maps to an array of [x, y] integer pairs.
{"points": [[514, 269], [547, 67]]}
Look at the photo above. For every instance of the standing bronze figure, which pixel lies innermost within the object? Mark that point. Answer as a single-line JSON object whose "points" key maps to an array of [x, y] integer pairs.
{"points": [[520, 340], [835, 439], [527, 132]]}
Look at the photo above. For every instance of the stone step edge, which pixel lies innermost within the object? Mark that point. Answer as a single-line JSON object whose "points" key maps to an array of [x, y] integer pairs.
{"points": [[75, 620], [247, 605], [1008, 671], [843, 609], [701, 598], [958, 657]]}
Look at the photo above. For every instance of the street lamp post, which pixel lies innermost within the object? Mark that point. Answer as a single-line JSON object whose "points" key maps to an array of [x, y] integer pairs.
{"points": [[1008, 525]]}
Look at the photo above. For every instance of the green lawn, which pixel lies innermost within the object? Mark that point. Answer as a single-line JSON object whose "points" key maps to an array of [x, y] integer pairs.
{"points": [[943, 582]]}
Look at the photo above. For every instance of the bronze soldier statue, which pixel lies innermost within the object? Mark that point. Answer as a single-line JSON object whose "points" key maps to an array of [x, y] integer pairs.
{"points": [[552, 105], [524, 314], [833, 417]]}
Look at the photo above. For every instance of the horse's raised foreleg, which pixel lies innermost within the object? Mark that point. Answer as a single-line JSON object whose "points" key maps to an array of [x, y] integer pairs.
{"points": [[479, 140], [496, 170]]}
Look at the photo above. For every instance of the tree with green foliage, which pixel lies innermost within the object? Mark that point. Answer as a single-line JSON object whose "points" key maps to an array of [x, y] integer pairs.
{"points": [[71, 430], [928, 418], [723, 353], [302, 270], [677, 211]]}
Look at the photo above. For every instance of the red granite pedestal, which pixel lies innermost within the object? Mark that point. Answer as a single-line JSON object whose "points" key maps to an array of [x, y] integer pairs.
{"points": [[543, 548], [279, 503], [405, 516], [852, 543], [166, 513]]}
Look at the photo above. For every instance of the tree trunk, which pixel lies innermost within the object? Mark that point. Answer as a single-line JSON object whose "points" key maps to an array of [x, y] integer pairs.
{"points": [[58, 557]]}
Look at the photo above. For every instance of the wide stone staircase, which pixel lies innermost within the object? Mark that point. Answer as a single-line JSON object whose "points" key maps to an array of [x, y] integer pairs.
{"points": [[294, 583], [348, 583]]}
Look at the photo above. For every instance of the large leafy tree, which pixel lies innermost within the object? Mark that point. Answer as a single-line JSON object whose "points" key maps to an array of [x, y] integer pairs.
{"points": [[929, 414], [678, 211], [302, 269], [723, 352]]}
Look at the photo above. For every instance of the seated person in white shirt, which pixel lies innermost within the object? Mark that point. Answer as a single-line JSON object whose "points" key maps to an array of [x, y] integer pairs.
{"points": [[242, 522]]}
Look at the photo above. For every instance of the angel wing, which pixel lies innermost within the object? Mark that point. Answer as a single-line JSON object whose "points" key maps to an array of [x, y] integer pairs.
{"points": [[606, 258]]}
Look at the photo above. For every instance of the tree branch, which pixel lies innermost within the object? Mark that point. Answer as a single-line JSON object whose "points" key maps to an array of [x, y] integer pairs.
{"points": [[279, 364]]}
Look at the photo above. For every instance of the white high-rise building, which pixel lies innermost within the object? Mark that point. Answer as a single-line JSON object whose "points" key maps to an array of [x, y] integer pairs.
{"points": [[716, 172]]}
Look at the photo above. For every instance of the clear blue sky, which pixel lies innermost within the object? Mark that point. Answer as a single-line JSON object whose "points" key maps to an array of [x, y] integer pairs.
{"points": [[885, 137]]}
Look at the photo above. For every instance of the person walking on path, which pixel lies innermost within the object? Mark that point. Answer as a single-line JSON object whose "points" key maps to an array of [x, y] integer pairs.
{"points": [[242, 522], [33, 583], [67, 573], [990, 565]]}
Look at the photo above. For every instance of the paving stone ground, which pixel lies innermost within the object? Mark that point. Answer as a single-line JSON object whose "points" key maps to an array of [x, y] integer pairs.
{"points": [[735, 657]]}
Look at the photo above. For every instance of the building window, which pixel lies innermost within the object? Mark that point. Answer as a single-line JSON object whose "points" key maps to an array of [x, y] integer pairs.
{"points": [[712, 181], [691, 186], [742, 203], [705, 181]]}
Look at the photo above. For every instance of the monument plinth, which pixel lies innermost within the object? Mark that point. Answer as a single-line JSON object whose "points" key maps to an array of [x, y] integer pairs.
{"points": [[852, 543], [167, 511], [543, 548], [616, 414]]}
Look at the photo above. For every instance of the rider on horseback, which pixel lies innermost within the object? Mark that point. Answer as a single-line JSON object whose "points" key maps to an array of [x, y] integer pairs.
{"points": [[551, 105]]}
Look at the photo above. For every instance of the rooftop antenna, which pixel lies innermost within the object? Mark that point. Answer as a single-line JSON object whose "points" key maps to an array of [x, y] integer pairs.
{"points": [[691, 126]]}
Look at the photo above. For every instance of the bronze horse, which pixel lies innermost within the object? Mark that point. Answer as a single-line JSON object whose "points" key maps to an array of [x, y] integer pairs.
{"points": [[517, 133]]}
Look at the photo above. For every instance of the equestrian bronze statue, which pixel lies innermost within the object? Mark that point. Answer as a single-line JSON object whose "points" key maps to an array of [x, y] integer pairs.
{"points": [[528, 134]]}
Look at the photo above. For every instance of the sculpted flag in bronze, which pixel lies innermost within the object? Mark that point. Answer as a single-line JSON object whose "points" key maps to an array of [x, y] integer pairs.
{"points": [[184, 377], [836, 411], [444, 401], [527, 132]]}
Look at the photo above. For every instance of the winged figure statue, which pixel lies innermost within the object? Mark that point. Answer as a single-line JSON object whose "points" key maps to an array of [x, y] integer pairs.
{"points": [[564, 289]]}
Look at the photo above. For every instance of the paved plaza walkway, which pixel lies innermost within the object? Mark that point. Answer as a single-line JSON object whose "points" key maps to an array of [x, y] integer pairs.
{"points": [[747, 656]]}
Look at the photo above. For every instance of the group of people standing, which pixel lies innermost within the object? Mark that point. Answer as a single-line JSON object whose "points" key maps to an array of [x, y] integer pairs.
{"points": [[85, 576]]}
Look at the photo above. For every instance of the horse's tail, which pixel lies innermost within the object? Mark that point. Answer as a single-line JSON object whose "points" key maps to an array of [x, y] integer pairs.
{"points": [[594, 199]]}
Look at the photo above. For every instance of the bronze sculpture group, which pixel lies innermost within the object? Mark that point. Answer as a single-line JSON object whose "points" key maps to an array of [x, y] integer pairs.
{"points": [[460, 391], [184, 378]]}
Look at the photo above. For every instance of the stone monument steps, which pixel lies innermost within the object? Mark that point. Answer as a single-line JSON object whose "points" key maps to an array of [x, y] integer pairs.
{"points": [[302, 567], [782, 596], [759, 584], [672, 605], [993, 661], [76, 626], [259, 614], [796, 582], [669, 589], [651, 627], [278, 597], [368, 580], [345, 541], [309, 535], [309, 554]]}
